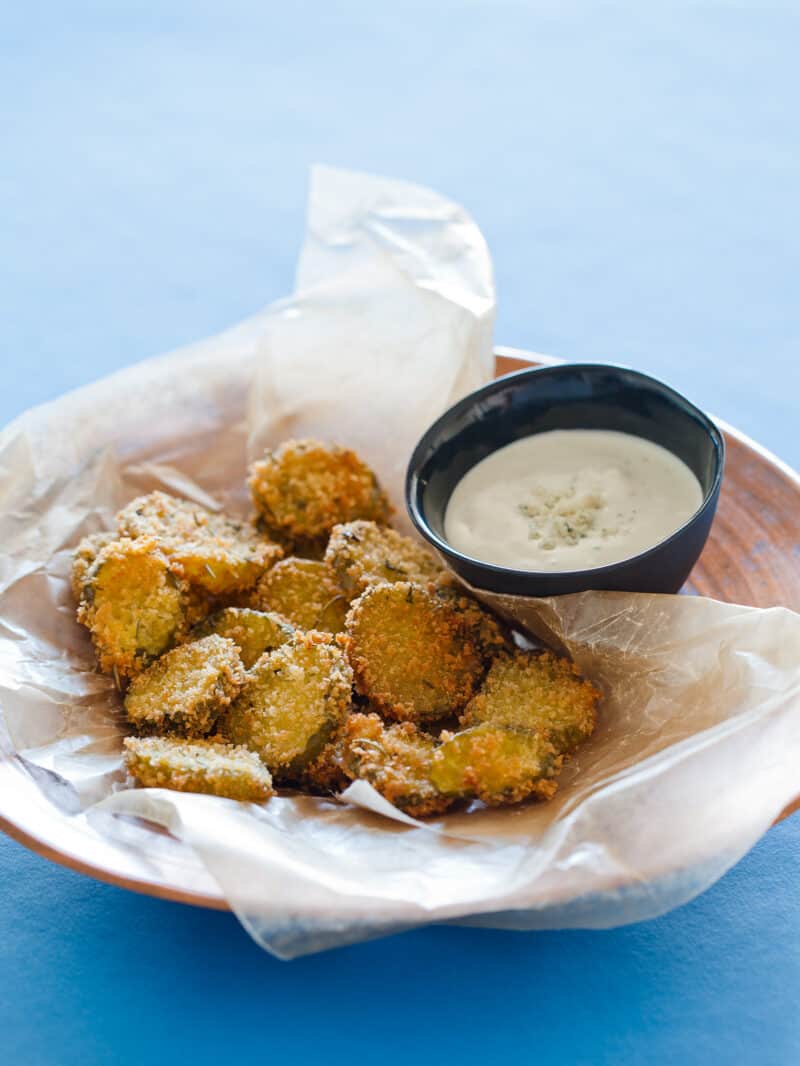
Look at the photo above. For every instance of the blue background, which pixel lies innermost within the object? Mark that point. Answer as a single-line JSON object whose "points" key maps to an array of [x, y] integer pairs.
{"points": [[635, 169]]}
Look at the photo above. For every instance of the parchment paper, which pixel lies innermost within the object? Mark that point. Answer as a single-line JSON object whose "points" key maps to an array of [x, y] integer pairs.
{"points": [[699, 738]]}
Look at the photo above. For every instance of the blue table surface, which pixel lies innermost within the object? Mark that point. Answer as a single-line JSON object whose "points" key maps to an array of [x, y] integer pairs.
{"points": [[635, 169]]}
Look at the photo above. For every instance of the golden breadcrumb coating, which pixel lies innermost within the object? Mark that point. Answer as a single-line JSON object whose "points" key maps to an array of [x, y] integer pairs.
{"points": [[325, 775], [136, 605], [363, 553], [396, 760], [304, 488], [492, 633], [198, 766], [293, 703], [538, 692], [217, 553], [83, 558], [305, 592], [413, 656], [187, 689], [495, 765], [253, 632]]}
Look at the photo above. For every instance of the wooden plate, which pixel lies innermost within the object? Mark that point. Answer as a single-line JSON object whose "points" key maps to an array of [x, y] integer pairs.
{"points": [[752, 557]]}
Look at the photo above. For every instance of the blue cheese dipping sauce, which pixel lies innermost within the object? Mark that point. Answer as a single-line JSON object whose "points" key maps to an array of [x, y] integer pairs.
{"points": [[570, 499]]}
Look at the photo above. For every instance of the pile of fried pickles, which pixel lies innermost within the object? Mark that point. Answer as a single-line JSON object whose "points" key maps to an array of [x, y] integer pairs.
{"points": [[315, 645]]}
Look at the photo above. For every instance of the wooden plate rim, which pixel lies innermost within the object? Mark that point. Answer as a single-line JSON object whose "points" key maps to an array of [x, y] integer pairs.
{"points": [[13, 767]]}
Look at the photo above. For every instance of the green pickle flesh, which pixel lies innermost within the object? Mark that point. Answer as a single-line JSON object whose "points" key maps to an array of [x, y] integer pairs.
{"points": [[495, 765], [253, 632], [294, 701]]}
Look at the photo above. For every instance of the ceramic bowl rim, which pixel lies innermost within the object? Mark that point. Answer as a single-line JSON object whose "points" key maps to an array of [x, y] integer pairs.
{"points": [[420, 521]]}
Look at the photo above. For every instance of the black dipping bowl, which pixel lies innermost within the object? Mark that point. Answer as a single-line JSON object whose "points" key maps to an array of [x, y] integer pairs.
{"points": [[571, 396]]}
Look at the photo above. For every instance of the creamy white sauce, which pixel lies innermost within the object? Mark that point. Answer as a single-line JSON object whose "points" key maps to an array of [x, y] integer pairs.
{"points": [[570, 499]]}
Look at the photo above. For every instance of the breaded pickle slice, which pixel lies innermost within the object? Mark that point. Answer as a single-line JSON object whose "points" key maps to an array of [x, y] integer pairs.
{"points": [[253, 632], [293, 703], [495, 765], [304, 488], [325, 774], [198, 766], [158, 514], [187, 689], [492, 634], [302, 547], [396, 760], [135, 604], [539, 692], [363, 553], [413, 656], [305, 592], [217, 553], [84, 556]]}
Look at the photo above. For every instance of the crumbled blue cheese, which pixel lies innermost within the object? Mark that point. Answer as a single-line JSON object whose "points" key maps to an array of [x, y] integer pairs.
{"points": [[564, 517]]}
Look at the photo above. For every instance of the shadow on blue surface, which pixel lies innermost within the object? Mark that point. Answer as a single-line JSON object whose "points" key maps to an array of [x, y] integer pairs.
{"points": [[116, 977]]}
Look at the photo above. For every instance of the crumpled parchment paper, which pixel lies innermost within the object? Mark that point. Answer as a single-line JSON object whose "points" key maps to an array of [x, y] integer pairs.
{"points": [[699, 738]]}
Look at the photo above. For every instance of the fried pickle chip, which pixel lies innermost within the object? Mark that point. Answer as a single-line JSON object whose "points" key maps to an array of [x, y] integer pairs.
{"points": [[305, 592], [293, 703], [187, 689], [363, 553], [253, 632], [495, 765], [136, 605], [413, 656], [218, 554], [304, 488], [536, 692], [493, 635], [198, 766], [300, 547], [396, 760], [325, 775], [84, 556]]}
